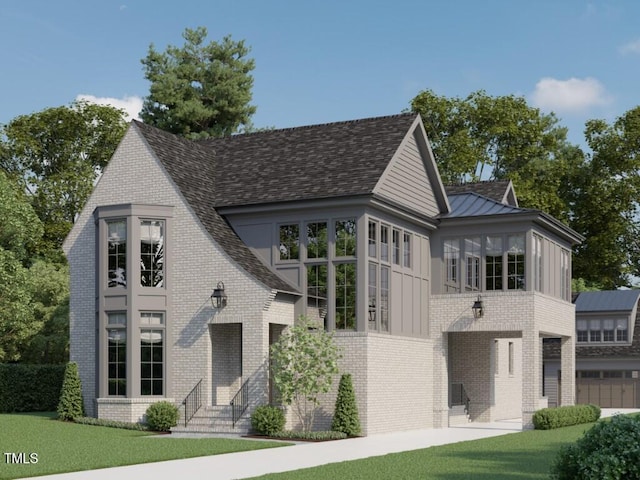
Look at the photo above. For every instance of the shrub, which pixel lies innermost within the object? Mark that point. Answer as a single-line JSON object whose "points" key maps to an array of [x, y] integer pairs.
{"points": [[345, 417], [267, 420], [30, 388], [71, 404], [161, 416], [550, 418], [609, 450], [101, 422], [313, 436]]}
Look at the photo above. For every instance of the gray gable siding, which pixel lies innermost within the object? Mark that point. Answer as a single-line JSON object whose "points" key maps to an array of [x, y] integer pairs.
{"points": [[407, 182]]}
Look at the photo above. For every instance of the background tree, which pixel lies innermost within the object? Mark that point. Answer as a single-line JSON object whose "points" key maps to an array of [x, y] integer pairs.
{"points": [[57, 154], [304, 361], [199, 90], [482, 137], [604, 201]]}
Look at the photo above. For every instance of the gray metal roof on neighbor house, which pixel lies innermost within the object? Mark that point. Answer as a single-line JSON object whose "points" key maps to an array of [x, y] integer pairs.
{"points": [[191, 167], [607, 301], [471, 204], [304, 163]]}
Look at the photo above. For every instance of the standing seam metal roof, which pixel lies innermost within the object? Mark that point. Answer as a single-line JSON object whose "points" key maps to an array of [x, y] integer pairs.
{"points": [[607, 301], [470, 204]]}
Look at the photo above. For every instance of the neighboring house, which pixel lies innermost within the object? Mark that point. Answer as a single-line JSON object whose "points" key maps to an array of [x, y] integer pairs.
{"points": [[607, 351], [191, 258]]}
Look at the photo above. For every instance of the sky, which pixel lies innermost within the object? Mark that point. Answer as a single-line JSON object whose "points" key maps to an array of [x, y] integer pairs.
{"points": [[334, 60]]}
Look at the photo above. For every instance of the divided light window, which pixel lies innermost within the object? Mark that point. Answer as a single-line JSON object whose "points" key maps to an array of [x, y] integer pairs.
{"points": [[117, 253], [152, 253], [346, 238], [345, 296], [316, 240], [451, 261], [373, 226], [472, 254], [152, 353], [117, 354], [606, 330], [289, 248], [494, 263], [515, 262]]}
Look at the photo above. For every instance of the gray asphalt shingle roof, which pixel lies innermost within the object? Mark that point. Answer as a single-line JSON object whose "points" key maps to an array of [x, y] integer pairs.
{"points": [[313, 162]]}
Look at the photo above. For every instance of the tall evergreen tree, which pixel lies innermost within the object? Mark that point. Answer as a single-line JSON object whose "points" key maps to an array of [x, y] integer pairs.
{"points": [[199, 90]]}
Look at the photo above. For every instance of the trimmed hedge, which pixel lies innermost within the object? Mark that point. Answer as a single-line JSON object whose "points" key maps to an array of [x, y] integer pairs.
{"points": [[550, 418], [101, 422], [310, 436], [30, 388]]}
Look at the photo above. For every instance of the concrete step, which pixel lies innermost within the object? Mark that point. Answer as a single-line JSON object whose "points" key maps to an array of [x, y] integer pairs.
{"points": [[214, 419]]}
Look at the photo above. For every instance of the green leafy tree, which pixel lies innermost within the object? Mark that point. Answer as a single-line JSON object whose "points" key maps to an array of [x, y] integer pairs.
{"points": [[345, 417], [304, 361], [71, 404], [482, 137], [199, 90], [604, 201], [58, 154], [49, 285]]}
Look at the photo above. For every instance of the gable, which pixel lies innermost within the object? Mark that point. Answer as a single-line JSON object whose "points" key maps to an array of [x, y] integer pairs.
{"points": [[411, 178]]}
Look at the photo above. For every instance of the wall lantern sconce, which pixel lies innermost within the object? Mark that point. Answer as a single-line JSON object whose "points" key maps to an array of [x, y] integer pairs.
{"points": [[478, 308], [218, 297]]}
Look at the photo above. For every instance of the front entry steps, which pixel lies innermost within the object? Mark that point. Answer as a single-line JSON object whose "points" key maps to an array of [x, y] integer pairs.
{"points": [[458, 415], [214, 419]]}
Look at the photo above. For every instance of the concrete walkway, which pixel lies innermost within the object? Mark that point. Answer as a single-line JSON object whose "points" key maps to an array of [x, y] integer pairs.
{"points": [[303, 455]]}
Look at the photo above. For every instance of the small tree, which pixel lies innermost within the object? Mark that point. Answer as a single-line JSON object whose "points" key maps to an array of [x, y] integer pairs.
{"points": [[71, 404], [345, 417], [303, 363]]}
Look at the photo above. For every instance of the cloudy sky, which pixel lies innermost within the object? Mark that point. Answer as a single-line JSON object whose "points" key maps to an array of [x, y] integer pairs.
{"points": [[331, 60]]}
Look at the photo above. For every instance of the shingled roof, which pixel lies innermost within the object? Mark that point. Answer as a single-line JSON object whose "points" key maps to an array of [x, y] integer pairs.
{"points": [[304, 163], [191, 167], [498, 190]]}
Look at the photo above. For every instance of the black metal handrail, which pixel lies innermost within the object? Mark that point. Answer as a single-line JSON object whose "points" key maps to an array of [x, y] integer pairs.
{"points": [[192, 402], [240, 402], [458, 396]]}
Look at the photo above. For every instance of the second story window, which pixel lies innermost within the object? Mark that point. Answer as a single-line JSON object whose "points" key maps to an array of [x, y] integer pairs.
{"points": [[602, 330], [451, 263], [407, 249], [152, 253], [515, 262], [289, 248], [472, 254], [117, 253], [493, 259], [346, 238], [316, 240]]}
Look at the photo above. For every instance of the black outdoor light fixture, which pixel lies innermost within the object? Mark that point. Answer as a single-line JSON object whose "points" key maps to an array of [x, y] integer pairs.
{"points": [[478, 308], [218, 297]]}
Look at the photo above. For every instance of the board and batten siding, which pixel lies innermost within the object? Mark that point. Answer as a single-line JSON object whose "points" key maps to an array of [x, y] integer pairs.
{"points": [[407, 182]]}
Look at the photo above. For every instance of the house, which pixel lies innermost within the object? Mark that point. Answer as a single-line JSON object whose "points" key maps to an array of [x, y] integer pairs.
{"points": [[607, 351], [191, 258]]}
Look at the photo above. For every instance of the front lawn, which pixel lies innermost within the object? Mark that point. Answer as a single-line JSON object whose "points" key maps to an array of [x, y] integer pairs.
{"points": [[524, 456], [66, 447]]}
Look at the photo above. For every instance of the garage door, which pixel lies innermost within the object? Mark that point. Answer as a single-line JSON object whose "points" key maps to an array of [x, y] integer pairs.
{"points": [[608, 388]]}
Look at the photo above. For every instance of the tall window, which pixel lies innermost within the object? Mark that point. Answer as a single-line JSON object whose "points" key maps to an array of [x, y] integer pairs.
{"points": [[117, 353], [537, 263], [373, 226], [316, 240], [396, 246], [384, 243], [151, 353], [289, 248], [152, 253], [346, 238], [582, 330], [317, 292], [373, 295], [565, 276], [622, 331], [515, 262], [451, 263], [345, 295], [494, 263], [472, 255], [384, 298], [406, 249], [511, 358], [117, 253]]}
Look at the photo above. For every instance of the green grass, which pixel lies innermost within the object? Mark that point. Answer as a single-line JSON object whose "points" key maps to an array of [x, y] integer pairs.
{"points": [[522, 456], [66, 447]]}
